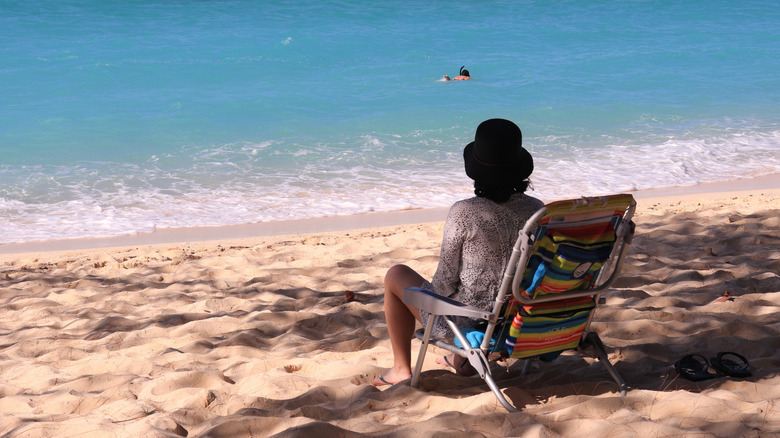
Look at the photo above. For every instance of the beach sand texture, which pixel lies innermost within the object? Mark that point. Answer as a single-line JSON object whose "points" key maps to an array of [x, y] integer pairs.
{"points": [[257, 337]]}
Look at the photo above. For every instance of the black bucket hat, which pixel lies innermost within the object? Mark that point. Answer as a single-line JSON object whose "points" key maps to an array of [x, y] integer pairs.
{"points": [[496, 156]]}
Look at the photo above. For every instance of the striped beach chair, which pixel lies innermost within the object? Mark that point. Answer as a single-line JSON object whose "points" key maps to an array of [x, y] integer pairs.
{"points": [[568, 253]]}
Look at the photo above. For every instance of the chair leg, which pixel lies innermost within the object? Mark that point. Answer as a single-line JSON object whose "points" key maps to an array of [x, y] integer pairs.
{"points": [[499, 395], [592, 339], [526, 367], [423, 349]]}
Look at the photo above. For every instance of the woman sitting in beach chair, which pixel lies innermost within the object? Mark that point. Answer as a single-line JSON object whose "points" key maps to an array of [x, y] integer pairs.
{"points": [[478, 236]]}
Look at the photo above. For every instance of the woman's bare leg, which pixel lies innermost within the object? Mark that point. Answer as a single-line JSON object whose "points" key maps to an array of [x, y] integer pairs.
{"points": [[400, 319]]}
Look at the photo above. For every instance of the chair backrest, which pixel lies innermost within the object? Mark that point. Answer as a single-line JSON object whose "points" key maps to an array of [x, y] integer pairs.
{"points": [[565, 256]]}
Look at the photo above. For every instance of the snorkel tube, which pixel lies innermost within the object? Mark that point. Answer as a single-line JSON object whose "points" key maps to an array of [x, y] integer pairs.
{"points": [[460, 72]]}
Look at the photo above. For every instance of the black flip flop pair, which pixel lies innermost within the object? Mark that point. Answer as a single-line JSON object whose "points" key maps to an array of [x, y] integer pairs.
{"points": [[695, 367]]}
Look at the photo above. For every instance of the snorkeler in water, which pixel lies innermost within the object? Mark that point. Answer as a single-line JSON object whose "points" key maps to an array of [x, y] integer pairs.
{"points": [[463, 75]]}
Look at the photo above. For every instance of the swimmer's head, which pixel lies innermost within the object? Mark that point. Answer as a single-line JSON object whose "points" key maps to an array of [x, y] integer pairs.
{"points": [[464, 72]]}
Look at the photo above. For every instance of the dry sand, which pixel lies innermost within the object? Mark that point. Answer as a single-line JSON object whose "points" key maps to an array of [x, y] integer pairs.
{"points": [[257, 337]]}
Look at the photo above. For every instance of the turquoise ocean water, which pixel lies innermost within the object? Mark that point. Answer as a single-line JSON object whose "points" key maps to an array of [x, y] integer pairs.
{"points": [[120, 117]]}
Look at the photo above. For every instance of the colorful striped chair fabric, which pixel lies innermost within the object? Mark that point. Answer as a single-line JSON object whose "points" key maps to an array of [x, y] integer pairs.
{"points": [[547, 328], [571, 246]]}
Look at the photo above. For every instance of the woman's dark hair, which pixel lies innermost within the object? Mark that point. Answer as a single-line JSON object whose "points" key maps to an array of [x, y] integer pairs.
{"points": [[500, 194]]}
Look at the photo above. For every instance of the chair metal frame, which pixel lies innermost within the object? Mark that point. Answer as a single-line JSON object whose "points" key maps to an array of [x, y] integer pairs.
{"points": [[479, 358]]}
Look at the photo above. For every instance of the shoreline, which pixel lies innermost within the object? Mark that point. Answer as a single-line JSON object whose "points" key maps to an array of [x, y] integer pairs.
{"points": [[348, 222]]}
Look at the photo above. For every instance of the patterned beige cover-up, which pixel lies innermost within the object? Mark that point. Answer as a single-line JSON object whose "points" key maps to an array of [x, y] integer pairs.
{"points": [[477, 243]]}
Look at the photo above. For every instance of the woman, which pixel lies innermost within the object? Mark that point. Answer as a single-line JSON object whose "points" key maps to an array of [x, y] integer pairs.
{"points": [[478, 236]]}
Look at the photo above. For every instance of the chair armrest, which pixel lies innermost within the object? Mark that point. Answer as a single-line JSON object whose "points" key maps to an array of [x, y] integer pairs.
{"points": [[438, 305]]}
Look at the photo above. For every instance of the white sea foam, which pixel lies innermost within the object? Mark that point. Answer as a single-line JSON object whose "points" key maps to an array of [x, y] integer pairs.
{"points": [[223, 187]]}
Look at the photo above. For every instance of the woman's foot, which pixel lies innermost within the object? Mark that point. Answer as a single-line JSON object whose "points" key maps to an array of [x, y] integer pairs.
{"points": [[460, 364], [391, 377]]}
